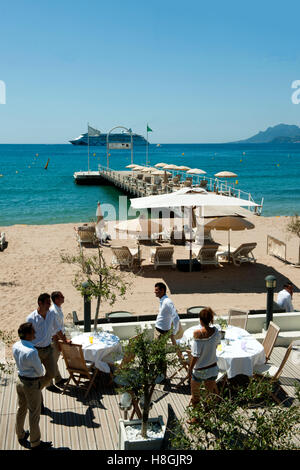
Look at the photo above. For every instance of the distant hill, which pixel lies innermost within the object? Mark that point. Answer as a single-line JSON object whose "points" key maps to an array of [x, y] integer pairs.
{"points": [[282, 133]]}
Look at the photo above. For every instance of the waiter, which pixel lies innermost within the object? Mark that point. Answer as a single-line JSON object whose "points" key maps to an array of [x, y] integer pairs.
{"points": [[30, 373], [167, 315], [45, 324]]}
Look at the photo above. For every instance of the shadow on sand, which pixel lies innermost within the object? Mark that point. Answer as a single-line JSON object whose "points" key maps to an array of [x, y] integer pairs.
{"points": [[249, 278]]}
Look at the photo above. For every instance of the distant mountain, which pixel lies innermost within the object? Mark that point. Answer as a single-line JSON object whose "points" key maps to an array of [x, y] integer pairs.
{"points": [[282, 133]]}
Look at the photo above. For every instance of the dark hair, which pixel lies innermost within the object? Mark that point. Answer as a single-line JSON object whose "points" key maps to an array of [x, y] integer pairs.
{"points": [[54, 295], [43, 297], [161, 286], [288, 284], [25, 329], [206, 315]]}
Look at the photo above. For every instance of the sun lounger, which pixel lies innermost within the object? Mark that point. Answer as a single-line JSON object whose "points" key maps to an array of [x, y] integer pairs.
{"points": [[86, 234], [206, 254], [242, 254], [124, 256], [162, 256]]}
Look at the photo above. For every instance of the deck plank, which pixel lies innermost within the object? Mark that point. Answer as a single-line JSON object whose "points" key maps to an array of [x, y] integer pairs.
{"points": [[82, 424]]}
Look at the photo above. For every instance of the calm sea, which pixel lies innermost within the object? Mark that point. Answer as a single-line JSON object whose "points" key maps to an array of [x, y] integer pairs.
{"points": [[29, 194]]}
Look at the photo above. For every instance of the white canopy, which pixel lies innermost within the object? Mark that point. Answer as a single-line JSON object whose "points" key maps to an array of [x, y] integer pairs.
{"points": [[188, 197]]}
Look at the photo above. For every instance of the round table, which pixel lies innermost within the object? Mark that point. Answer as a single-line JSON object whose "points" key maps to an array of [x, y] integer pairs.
{"points": [[239, 356], [106, 348]]}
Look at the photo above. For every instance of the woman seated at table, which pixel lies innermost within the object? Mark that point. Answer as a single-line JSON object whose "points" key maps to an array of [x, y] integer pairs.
{"points": [[203, 366]]}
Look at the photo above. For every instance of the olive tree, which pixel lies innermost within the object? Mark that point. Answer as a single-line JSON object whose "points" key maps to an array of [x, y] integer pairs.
{"points": [[95, 278]]}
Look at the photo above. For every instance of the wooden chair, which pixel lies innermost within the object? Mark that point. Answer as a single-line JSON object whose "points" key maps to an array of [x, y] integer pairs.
{"points": [[86, 235], [270, 339], [78, 368], [207, 255], [162, 256], [272, 371], [184, 361], [242, 254], [124, 256], [238, 318]]}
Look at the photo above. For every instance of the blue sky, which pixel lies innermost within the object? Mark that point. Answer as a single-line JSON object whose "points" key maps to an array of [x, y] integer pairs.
{"points": [[196, 72]]}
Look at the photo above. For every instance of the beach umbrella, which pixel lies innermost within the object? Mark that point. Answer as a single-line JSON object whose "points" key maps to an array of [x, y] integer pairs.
{"points": [[228, 224], [196, 171], [170, 167], [158, 165], [131, 166], [139, 227], [183, 168], [226, 174]]}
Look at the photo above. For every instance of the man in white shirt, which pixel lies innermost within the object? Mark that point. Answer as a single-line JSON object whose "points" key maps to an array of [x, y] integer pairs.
{"points": [[45, 325], [57, 301], [284, 297], [167, 315], [30, 372]]}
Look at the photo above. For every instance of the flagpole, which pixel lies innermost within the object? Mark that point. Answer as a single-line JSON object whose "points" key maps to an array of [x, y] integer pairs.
{"points": [[88, 149], [147, 147]]}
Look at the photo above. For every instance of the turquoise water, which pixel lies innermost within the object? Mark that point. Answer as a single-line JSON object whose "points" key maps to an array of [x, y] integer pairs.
{"points": [[29, 194]]}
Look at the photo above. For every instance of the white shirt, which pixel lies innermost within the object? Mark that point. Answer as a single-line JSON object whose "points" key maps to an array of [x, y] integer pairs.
{"points": [[284, 300], [27, 359], [59, 316], [44, 328], [167, 314]]}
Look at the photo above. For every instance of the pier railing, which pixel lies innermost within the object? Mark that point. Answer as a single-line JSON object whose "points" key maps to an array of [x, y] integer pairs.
{"points": [[146, 185]]}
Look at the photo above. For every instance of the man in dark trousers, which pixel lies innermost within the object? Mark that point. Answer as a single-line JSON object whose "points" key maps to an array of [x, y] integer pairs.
{"points": [[30, 374]]}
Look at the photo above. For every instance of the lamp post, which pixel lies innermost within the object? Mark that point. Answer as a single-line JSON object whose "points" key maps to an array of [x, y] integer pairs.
{"points": [[270, 285], [86, 309]]}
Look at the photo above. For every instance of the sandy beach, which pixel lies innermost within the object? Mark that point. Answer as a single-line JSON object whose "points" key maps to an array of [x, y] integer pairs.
{"points": [[31, 264]]}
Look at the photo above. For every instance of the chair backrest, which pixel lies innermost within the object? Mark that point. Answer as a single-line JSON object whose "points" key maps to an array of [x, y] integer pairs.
{"points": [[207, 253], [270, 339], [284, 360], [122, 254], [238, 318], [73, 356], [244, 249], [86, 233], [164, 253], [203, 183], [128, 356]]}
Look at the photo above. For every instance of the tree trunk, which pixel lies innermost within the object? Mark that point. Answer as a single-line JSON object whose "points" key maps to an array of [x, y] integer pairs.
{"points": [[145, 415]]}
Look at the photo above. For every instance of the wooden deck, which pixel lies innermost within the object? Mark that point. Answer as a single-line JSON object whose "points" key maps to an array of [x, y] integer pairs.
{"points": [[72, 422]]}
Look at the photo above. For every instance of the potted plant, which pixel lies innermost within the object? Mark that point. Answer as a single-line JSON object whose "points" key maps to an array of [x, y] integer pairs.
{"points": [[223, 324], [138, 376]]}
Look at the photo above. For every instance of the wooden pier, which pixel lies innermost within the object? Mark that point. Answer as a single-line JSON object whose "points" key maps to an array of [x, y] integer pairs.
{"points": [[143, 183]]}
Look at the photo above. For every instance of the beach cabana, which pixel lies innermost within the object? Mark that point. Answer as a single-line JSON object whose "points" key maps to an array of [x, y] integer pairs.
{"points": [[190, 198]]}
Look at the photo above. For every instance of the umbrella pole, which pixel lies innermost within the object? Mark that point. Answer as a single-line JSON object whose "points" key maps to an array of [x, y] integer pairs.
{"points": [[229, 259]]}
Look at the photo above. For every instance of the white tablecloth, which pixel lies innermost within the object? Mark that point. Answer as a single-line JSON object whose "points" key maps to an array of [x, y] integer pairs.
{"points": [[240, 356], [106, 348]]}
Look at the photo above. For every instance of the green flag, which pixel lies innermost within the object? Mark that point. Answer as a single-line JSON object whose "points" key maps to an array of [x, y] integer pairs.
{"points": [[149, 129]]}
